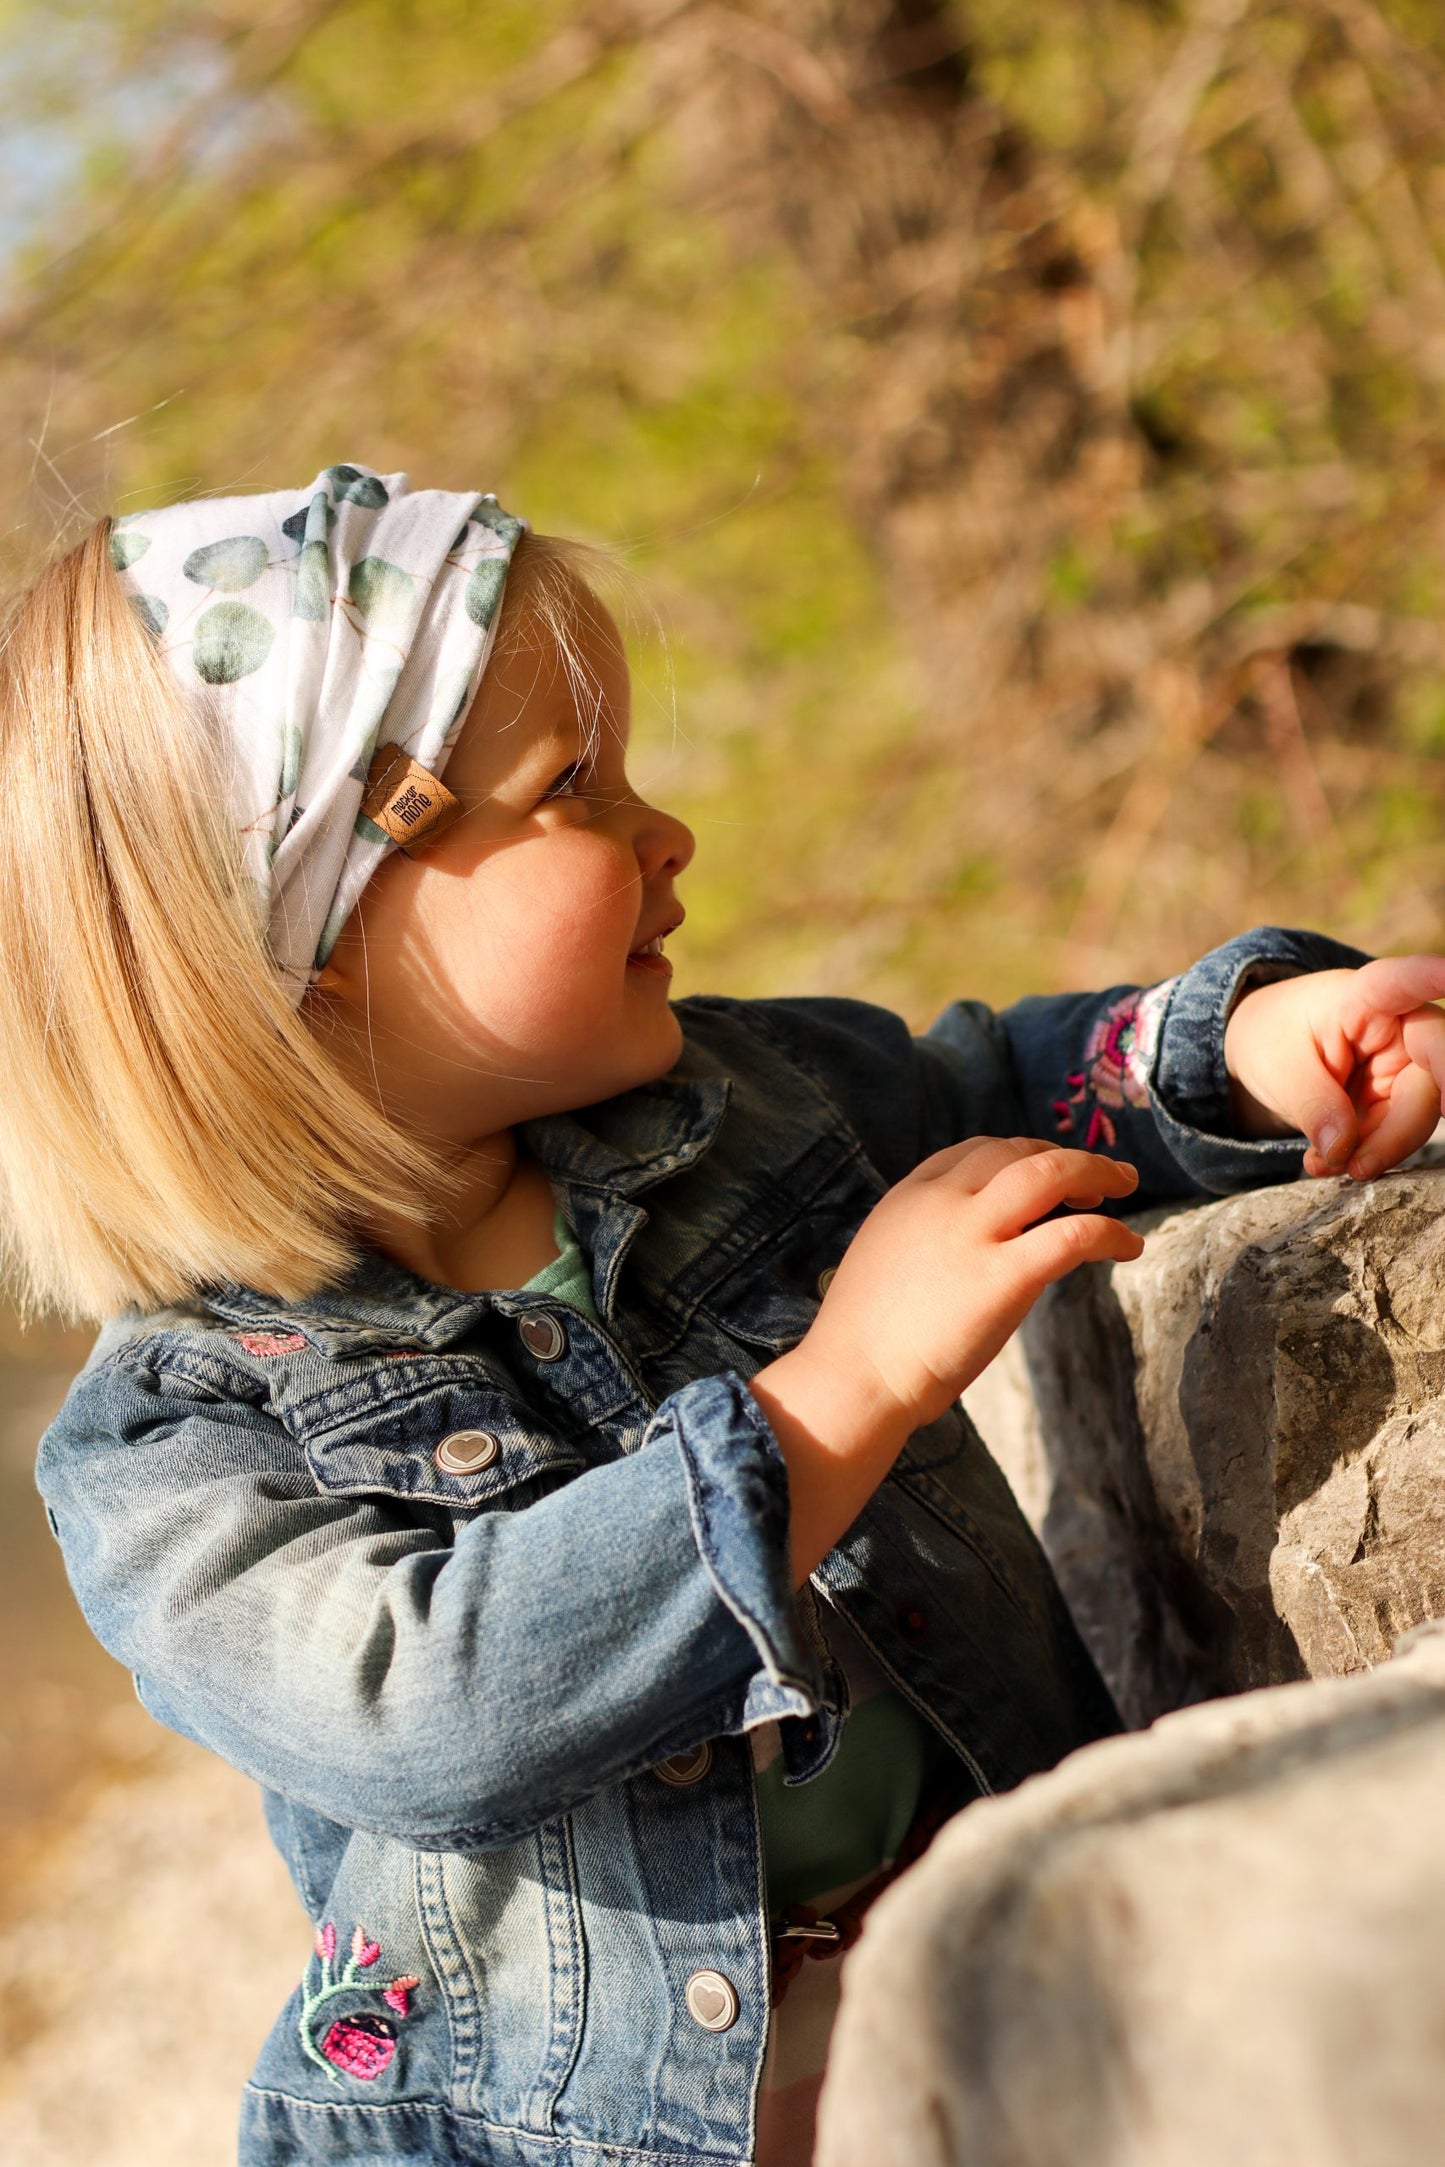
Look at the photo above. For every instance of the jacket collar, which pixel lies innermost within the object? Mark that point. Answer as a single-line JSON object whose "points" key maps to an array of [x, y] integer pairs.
{"points": [[600, 1158]]}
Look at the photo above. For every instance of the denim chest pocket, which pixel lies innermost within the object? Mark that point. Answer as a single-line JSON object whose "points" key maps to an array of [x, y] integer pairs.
{"points": [[431, 1431], [770, 1299]]}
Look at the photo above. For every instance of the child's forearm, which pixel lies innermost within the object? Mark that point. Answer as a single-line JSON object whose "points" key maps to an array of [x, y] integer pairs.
{"points": [[942, 1270], [838, 1440]]}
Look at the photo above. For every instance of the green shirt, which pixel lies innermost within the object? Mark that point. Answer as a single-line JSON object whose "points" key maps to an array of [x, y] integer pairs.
{"points": [[827, 1836]]}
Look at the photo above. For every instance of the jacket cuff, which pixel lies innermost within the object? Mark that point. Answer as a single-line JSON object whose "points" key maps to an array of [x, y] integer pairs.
{"points": [[1189, 1082], [737, 1489]]}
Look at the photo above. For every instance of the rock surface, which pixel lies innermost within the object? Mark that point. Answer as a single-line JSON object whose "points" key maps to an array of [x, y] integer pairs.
{"points": [[1234, 1448], [1216, 1941]]}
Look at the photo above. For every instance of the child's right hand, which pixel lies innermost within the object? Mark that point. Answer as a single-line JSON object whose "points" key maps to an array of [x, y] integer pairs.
{"points": [[948, 1265], [938, 1276]]}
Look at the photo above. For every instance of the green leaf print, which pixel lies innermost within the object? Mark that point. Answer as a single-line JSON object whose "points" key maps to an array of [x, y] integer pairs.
{"points": [[125, 548], [290, 760], [488, 513], [354, 487], [151, 611], [296, 527], [484, 590], [312, 599], [237, 562], [384, 594], [232, 640]]}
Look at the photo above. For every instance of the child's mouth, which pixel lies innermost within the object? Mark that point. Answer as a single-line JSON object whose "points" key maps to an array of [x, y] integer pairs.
{"points": [[651, 958]]}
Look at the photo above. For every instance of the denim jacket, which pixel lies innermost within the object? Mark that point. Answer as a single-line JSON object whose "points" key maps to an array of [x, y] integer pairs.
{"points": [[486, 1595]]}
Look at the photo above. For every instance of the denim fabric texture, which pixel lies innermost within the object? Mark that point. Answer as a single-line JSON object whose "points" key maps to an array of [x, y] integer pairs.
{"points": [[455, 1688]]}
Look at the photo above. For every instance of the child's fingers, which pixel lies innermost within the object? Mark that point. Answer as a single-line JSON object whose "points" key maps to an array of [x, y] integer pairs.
{"points": [[1393, 985], [1031, 1188], [1045, 1253], [1327, 1116], [1423, 1034], [1409, 1118], [974, 1162]]}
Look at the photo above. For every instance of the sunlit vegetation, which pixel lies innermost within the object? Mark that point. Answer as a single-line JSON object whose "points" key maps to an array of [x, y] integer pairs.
{"points": [[1023, 416]]}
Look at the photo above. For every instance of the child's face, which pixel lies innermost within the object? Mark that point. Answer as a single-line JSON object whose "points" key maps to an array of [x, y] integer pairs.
{"points": [[491, 977]]}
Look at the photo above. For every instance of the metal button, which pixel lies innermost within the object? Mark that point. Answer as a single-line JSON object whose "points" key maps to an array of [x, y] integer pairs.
{"points": [[682, 1769], [825, 1280], [712, 2001], [467, 1452], [542, 1336]]}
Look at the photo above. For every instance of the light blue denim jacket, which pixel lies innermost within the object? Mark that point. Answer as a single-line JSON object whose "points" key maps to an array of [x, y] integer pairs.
{"points": [[456, 1683]]}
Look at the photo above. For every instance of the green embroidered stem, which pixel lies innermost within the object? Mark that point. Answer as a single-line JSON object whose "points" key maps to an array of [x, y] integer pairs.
{"points": [[310, 2003]]}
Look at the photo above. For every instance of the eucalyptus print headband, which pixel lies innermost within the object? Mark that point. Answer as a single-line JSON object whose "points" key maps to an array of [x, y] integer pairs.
{"points": [[336, 634]]}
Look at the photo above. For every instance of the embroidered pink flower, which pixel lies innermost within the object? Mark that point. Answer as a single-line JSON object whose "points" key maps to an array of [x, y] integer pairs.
{"points": [[1117, 1063], [362, 2045], [359, 2042], [269, 1343]]}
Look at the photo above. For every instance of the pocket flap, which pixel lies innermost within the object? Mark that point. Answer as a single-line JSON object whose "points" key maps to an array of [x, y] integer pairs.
{"points": [[384, 1431]]}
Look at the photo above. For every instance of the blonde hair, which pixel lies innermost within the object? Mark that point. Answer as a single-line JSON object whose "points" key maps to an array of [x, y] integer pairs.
{"points": [[167, 1119]]}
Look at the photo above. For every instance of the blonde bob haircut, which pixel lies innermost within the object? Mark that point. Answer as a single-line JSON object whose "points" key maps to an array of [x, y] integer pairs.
{"points": [[167, 1119]]}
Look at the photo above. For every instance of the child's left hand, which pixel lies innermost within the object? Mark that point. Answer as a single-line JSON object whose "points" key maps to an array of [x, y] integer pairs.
{"points": [[1354, 1060]]}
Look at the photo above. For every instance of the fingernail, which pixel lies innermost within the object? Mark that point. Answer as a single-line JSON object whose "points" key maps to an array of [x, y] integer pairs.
{"points": [[1131, 1171], [1363, 1168], [1330, 1138]]}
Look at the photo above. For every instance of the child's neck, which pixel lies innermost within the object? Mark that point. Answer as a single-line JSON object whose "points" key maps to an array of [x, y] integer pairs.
{"points": [[496, 1226]]}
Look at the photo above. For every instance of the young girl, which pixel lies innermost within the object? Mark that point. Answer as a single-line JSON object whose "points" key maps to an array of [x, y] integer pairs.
{"points": [[526, 1439]]}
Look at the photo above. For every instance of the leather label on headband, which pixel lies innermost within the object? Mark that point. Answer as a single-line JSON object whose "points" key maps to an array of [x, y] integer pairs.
{"points": [[404, 799]]}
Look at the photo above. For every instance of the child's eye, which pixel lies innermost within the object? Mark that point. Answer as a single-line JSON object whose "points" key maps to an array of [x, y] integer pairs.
{"points": [[562, 785]]}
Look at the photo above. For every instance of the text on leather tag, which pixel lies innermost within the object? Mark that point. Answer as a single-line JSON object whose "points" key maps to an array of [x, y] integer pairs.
{"points": [[404, 799]]}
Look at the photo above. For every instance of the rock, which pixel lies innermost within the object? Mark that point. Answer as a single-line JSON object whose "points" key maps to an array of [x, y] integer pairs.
{"points": [[1215, 1941], [1234, 1448]]}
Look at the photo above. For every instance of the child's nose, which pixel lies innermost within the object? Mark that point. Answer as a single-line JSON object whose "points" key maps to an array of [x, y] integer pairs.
{"points": [[664, 843]]}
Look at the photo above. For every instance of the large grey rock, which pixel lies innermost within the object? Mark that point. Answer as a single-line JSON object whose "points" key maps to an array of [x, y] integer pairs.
{"points": [[1234, 1449], [1215, 1942]]}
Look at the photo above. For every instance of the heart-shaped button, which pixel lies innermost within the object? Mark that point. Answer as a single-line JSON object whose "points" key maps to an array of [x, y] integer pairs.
{"points": [[712, 2001]]}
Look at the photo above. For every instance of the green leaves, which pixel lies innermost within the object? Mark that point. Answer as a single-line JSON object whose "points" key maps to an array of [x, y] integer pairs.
{"points": [[354, 487], [290, 760], [125, 549], [232, 640], [312, 599], [484, 590], [385, 594], [230, 565], [319, 513], [152, 612]]}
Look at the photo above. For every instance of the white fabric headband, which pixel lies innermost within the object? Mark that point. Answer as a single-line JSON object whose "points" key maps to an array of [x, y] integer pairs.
{"points": [[332, 632]]}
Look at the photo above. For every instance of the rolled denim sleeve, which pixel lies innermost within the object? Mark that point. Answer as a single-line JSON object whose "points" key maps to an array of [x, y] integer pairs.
{"points": [[452, 1684], [1189, 1083], [1135, 1072]]}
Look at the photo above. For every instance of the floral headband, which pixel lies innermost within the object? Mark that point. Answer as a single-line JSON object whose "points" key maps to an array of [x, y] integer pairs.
{"points": [[337, 635]]}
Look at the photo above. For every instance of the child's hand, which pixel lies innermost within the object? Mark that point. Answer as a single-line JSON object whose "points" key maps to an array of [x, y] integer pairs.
{"points": [[941, 1271], [951, 1260], [1354, 1060]]}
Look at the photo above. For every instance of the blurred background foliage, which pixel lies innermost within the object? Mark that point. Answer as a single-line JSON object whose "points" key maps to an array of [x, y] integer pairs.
{"points": [[1023, 415]]}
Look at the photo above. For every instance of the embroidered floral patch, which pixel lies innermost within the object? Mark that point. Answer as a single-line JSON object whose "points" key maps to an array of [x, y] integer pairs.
{"points": [[360, 2042], [268, 1343], [1117, 1063]]}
